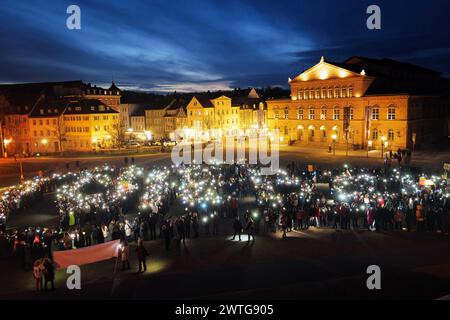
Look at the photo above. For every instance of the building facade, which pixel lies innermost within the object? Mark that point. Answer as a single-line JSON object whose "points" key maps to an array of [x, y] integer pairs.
{"points": [[361, 103]]}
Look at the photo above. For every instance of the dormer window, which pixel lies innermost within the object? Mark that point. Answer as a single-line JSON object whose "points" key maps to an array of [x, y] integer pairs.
{"points": [[41, 111], [92, 108]]}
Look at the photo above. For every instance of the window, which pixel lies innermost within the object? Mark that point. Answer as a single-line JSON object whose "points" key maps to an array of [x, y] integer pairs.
{"points": [[350, 92], [336, 92], [375, 134], [306, 94], [330, 93], [324, 93], [350, 113], [47, 122], [286, 113], [300, 94], [41, 122], [41, 111], [311, 93], [317, 93], [336, 114], [300, 114], [375, 114], [391, 135], [276, 114], [344, 92], [311, 114], [391, 113], [323, 114], [34, 122]]}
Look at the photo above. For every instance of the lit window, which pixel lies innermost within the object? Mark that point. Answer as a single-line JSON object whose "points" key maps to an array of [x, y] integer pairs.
{"points": [[391, 114], [324, 93], [276, 114], [350, 92], [300, 114], [286, 113], [306, 94], [344, 92], [323, 114], [336, 114], [311, 93], [375, 114], [300, 94], [317, 93], [336, 92], [350, 113], [311, 114], [330, 93]]}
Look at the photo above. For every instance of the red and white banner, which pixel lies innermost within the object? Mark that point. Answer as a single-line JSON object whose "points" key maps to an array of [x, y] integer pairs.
{"points": [[99, 252]]}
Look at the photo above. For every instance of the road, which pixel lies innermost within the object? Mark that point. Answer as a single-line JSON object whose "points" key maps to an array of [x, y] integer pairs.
{"points": [[10, 169]]}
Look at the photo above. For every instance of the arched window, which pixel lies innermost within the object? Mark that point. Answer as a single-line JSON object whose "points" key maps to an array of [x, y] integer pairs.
{"points": [[323, 113], [391, 135], [324, 93], [391, 113], [311, 114], [300, 113], [344, 92], [306, 94], [375, 134], [330, 92]]}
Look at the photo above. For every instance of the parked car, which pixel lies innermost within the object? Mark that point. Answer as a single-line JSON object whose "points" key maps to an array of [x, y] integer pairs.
{"points": [[169, 143], [132, 144]]}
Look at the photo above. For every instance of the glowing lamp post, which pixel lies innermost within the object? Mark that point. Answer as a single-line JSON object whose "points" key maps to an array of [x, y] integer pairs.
{"points": [[369, 146], [334, 138], [6, 142], [383, 140], [44, 143]]}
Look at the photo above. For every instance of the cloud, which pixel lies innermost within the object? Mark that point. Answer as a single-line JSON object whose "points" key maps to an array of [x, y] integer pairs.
{"points": [[183, 45]]}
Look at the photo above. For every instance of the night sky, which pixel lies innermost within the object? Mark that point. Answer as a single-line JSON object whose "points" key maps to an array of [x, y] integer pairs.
{"points": [[190, 45]]}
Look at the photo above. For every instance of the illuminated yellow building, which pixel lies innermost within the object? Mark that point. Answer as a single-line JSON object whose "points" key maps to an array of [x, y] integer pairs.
{"points": [[362, 103], [90, 125], [210, 119], [46, 127]]}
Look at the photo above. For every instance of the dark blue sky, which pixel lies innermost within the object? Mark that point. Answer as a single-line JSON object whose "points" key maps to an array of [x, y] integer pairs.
{"points": [[198, 45]]}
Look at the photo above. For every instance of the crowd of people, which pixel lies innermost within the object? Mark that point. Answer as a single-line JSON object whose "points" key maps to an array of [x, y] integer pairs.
{"points": [[188, 201]]}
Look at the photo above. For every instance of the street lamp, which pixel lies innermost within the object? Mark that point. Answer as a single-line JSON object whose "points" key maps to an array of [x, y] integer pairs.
{"points": [[383, 139], [334, 137], [6, 142], [369, 146], [44, 142]]}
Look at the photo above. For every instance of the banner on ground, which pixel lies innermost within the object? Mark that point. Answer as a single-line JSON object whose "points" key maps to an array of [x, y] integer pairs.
{"points": [[96, 253]]}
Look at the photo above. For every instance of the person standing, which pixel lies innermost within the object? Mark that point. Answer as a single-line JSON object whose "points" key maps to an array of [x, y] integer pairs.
{"points": [[250, 228], [49, 273], [141, 254], [237, 227], [38, 272], [124, 255]]}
